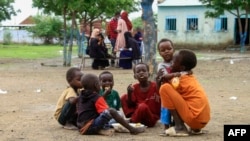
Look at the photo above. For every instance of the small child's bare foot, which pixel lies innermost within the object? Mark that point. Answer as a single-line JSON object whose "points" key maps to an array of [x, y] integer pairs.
{"points": [[127, 120], [70, 126], [107, 132], [137, 130]]}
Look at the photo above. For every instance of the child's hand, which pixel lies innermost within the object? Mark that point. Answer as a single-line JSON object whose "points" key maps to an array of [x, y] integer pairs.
{"points": [[130, 89], [107, 91], [169, 76], [159, 75]]}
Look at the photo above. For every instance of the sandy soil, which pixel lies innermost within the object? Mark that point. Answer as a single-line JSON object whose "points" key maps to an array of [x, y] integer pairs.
{"points": [[26, 111]]}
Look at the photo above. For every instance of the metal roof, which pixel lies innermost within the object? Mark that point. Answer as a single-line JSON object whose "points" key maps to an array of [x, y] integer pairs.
{"points": [[180, 3], [20, 25]]}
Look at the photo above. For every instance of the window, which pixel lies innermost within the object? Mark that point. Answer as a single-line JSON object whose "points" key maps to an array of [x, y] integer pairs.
{"points": [[220, 23], [192, 23], [170, 23]]}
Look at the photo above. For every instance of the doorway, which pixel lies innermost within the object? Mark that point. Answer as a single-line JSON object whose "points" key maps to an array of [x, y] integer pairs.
{"points": [[236, 33]]}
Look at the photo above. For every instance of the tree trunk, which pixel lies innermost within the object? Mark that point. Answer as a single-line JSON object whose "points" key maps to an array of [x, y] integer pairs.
{"points": [[244, 35], [79, 43], [71, 38], [64, 37], [149, 37], [79, 40]]}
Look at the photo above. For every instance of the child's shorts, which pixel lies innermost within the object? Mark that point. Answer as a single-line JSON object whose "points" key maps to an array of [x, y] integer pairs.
{"points": [[100, 123], [165, 116]]}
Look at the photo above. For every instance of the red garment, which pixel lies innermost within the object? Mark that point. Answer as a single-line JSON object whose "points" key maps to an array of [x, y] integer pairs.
{"points": [[124, 16], [101, 105], [148, 105], [112, 29]]}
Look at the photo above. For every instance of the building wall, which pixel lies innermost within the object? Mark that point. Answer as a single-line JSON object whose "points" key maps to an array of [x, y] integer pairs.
{"points": [[21, 36], [206, 35]]}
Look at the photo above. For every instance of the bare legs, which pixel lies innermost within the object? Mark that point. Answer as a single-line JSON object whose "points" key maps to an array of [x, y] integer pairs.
{"points": [[124, 123], [179, 124]]}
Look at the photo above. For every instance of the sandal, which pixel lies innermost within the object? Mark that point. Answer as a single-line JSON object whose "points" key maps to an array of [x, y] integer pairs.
{"points": [[192, 132], [172, 132], [163, 134]]}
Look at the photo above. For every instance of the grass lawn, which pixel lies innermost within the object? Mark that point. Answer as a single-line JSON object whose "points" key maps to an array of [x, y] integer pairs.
{"points": [[18, 51], [32, 52]]}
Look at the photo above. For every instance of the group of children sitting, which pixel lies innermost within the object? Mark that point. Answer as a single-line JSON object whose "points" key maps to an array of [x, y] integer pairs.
{"points": [[90, 104]]}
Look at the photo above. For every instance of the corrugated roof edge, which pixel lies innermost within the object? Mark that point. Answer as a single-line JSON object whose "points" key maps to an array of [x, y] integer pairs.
{"points": [[180, 3]]}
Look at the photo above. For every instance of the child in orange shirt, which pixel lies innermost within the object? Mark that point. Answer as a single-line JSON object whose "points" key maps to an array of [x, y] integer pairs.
{"points": [[184, 96]]}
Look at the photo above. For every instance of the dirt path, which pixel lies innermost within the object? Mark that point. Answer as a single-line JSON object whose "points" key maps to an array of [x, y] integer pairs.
{"points": [[26, 111]]}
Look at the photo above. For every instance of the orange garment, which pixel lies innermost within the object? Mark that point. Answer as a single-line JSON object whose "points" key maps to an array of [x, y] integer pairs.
{"points": [[189, 100]]}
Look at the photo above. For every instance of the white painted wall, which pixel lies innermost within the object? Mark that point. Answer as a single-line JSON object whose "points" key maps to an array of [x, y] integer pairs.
{"points": [[20, 36], [205, 35]]}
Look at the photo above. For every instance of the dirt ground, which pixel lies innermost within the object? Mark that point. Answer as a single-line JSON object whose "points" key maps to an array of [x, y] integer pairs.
{"points": [[26, 110]]}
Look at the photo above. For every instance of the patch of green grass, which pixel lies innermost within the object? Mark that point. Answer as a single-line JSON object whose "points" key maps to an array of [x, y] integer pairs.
{"points": [[32, 52]]}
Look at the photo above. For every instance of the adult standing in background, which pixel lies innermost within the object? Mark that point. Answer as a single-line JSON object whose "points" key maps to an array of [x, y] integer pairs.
{"points": [[124, 16], [138, 38], [112, 32], [122, 27]]}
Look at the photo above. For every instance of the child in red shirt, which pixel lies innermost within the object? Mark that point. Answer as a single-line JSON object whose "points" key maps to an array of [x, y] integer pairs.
{"points": [[142, 102]]}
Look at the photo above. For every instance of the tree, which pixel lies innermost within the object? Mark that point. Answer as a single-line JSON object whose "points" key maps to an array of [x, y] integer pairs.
{"points": [[78, 10], [6, 9], [137, 22], [47, 28], [149, 37], [236, 7]]}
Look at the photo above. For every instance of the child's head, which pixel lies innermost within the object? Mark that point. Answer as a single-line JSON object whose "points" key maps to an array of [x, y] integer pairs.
{"points": [[117, 14], [73, 77], [184, 60], [166, 49], [141, 72], [106, 79], [90, 82]]}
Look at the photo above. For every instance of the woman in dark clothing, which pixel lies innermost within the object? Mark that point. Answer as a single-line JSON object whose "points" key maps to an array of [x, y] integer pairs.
{"points": [[130, 50], [99, 52], [138, 37]]}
